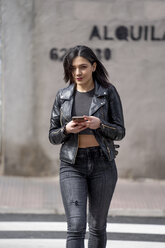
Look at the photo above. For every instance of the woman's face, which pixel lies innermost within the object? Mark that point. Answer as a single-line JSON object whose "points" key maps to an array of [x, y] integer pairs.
{"points": [[82, 71]]}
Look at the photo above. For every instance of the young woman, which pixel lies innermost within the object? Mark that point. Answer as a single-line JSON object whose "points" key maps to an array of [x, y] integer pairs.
{"points": [[87, 153]]}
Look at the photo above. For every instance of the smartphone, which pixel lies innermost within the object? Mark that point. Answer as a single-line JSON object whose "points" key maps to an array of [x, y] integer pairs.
{"points": [[78, 118]]}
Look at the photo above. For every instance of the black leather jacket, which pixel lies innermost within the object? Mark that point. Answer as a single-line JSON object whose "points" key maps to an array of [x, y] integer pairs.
{"points": [[105, 105]]}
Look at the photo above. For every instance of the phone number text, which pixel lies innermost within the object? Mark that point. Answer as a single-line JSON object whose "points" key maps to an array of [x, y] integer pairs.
{"points": [[57, 54]]}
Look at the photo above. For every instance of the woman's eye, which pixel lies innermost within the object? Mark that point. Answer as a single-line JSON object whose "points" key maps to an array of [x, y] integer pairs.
{"points": [[83, 67]]}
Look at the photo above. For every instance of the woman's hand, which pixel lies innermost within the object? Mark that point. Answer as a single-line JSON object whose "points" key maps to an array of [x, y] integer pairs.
{"points": [[75, 127], [92, 122]]}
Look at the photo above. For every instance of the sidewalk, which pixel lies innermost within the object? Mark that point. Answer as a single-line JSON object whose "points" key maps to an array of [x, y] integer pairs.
{"points": [[42, 195]]}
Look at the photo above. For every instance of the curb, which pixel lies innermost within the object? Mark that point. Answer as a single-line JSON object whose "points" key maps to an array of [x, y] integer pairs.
{"points": [[112, 212]]}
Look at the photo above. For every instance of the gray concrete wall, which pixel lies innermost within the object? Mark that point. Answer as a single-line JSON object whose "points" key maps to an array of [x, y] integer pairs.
{"points": [[31, 28], [1, 160], [23, 154]]}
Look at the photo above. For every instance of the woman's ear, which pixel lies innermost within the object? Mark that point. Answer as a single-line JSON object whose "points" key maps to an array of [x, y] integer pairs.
{"points": [[94, 66]]}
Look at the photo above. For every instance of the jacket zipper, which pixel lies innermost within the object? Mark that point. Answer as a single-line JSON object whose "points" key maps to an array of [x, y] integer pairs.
{"points": [[57, 131], [107, 126], [77, 149], [61, 117], [109, 152]]}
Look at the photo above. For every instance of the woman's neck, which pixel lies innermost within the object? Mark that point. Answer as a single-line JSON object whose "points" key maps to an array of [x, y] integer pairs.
{"points": [[85, 88]]}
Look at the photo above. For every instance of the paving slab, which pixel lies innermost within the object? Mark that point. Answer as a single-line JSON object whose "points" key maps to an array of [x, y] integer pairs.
{"points": [[145, 197]]}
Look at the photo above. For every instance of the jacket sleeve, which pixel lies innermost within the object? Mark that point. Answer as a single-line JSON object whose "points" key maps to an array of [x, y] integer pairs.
{"points": [[56, 131], [114, 129]]}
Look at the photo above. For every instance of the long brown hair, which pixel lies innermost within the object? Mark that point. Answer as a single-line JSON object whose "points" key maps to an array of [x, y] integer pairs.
{"points": [[100, 74]]}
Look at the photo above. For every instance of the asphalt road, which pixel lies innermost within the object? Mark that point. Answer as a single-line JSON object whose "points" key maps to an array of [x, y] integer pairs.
{"points": [[49, 231]]}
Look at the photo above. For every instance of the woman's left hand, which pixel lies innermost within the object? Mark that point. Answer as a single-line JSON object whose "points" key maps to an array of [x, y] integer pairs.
{"points": [[92, 122]]}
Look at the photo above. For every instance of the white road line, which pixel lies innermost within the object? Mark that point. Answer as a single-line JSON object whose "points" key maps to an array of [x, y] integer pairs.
{"points": [[33, 226], [60, 243], [62, 226], [136, 228]]}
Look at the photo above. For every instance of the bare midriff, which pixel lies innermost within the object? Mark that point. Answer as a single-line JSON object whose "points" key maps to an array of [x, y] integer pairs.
{"points": [[87, 140]]}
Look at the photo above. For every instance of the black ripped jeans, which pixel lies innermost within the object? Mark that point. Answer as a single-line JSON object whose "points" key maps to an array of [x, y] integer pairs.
{"points": [[94, 176]]}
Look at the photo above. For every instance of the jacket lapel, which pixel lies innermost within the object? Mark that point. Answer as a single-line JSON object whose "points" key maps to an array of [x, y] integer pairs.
{"points": [[67, 96], [66, 110], [98, 100], [96, 104]]}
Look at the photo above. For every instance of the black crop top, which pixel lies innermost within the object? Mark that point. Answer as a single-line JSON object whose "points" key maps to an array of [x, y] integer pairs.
{"points": [[81, 105]]}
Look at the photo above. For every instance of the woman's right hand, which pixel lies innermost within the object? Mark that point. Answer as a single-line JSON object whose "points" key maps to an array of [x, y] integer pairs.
{"points": [[75, 127]]}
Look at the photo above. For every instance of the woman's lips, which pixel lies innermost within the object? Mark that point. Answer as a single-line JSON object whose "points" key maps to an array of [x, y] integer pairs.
{"points": [[79, 79]]}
